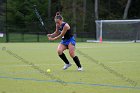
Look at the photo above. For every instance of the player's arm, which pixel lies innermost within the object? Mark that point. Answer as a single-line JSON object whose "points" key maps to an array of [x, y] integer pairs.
{"points": [[54, 34], [66, 27]]}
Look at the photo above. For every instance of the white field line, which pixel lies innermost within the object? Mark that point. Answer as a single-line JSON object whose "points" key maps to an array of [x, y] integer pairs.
{"points": [[84, 47], [119, 61], [105, 46], [118, 42], [89, 47]]}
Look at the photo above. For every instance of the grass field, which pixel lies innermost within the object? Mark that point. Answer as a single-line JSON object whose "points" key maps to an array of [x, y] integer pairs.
{"points": [[108, 68]]}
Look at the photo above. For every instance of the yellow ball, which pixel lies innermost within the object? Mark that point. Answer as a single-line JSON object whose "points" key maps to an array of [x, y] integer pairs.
{"points": [[48, 70]]}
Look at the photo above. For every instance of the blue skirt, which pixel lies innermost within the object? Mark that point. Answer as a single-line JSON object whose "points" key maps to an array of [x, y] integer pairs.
{"points": [[66, 42]]}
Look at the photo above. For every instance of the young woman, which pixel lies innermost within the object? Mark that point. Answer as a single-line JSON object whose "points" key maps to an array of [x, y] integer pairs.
{"points": [[64, 31]]}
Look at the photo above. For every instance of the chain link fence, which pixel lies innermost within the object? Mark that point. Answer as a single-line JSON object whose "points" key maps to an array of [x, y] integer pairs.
{"points": [[21, 24]]}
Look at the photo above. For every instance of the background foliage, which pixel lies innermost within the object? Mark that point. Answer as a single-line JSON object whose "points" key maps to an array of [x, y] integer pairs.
{"points": [[19, 16]]}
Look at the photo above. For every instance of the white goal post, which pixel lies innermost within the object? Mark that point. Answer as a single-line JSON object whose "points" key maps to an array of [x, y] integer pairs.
{"points": [[1, 34], [118, 30]]}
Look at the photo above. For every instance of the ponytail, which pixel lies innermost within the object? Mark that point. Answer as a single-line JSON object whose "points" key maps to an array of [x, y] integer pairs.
{"points": [[57, 13], [58, 16]]}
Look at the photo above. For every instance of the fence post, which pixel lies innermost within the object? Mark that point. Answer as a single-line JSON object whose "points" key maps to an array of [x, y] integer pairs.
{"points": [[38, 37], [7, 34], [22, 36]]}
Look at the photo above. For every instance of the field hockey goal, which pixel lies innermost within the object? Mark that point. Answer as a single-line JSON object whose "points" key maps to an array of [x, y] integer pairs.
{"points": [[118, 30]]}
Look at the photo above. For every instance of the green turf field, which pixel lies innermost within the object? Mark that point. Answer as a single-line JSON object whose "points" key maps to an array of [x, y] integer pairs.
{"points": [[108, 68]]}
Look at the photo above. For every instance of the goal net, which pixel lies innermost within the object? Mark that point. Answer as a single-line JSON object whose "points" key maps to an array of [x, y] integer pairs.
{"points": [[118, 30]]}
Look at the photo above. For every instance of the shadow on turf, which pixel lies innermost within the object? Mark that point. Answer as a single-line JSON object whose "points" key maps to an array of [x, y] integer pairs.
{"points": [[34, 66], [3, 92], [109, 69]]}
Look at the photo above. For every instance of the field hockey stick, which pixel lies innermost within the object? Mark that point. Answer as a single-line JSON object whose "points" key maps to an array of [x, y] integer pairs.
{"points": [[40, 19]]}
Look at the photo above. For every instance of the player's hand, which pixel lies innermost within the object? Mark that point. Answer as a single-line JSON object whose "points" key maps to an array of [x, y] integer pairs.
{"points": [[49, 35], [51, 39]]}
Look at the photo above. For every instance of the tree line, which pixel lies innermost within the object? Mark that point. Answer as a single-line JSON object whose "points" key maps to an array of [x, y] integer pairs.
{"points": [[81, 14]]}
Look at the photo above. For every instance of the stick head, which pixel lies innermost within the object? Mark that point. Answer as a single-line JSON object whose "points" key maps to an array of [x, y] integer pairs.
{"points": [[34, 5]]}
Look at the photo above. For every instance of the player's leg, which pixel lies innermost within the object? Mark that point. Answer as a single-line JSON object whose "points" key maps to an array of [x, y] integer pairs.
{"points": [[60, 50], [71, 48]]}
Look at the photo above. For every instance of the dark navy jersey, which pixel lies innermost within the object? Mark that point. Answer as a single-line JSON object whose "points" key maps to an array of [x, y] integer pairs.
{"points": [[68, 33]]}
